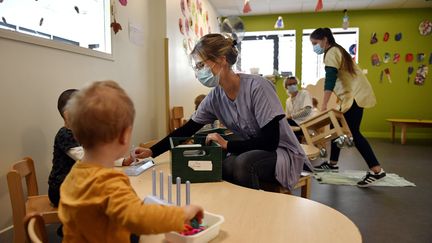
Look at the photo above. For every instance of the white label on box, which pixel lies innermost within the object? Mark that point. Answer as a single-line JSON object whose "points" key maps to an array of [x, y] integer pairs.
{"points": [[201, 165]]}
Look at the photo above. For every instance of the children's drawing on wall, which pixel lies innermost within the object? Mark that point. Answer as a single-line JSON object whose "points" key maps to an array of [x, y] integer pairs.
{"points": [[398, 36], [279, 23], [387, 57], [410, 71], [194, 24], [376, 60], [425, 27], [374, 38], [421, 74]]}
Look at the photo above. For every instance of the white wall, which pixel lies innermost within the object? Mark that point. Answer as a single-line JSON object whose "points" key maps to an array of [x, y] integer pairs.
{"points": [[183, 86], [32, 77]]}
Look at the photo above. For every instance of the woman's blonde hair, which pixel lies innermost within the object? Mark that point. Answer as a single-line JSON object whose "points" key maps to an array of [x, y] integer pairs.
{"points": [[99, 113], [213, 46]]}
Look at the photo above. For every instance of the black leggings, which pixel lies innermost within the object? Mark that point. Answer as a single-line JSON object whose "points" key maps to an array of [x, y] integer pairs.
{"points": [[249, 168], [353, 117]]}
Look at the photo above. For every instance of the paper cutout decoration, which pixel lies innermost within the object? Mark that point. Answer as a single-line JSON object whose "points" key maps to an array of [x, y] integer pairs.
{"points": [[319, 6], [246, 7], [425, 27], [374, 38], [410, 71], [409, 57], [186, 26], [183, 7], [123, 2], [387, 57], [387, 73], [420, 57], [181, 26], [199, 6], [396, 58], [116, 26], [421, 74], [279, 23], [398, 36], [386, 36], [345, 20], [375, 60]]}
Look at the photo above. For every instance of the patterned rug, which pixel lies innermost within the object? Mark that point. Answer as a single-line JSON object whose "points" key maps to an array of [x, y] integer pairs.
{"points": [[351, 177]]}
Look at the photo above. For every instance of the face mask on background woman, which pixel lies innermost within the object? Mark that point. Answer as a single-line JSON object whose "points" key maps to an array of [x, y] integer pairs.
{"points": [[318, 49]]}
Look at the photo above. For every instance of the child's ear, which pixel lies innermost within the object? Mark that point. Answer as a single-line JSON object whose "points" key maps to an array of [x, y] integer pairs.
{"points": [[125, 136], [66, 118]]}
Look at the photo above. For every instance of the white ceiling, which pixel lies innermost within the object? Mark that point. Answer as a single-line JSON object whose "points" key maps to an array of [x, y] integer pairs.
{"points": [[262, 7]]}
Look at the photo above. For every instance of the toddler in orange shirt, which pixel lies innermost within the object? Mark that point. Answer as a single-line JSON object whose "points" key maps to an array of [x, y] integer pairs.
{"points": [[98, 203]]}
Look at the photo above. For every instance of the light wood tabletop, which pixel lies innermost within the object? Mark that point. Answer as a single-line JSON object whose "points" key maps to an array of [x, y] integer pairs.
{"points": [[255, 215]]}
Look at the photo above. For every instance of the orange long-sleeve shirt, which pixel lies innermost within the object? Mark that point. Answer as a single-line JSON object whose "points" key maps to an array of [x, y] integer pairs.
{"points": [[98, 204]]}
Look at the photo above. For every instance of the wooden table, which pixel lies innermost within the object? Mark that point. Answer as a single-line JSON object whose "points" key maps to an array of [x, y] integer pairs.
{"points": [[404, 123], [258, 216]]}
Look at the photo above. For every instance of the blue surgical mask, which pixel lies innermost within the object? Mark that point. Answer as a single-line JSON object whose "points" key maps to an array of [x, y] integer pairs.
{"points": [[206, 77], [292, 88], [318, 49]]}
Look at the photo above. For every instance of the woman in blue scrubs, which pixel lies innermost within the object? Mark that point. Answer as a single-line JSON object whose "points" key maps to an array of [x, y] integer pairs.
{"points": [[267, 149]]}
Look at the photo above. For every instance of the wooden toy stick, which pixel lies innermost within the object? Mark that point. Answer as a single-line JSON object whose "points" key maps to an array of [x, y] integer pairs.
{"points": [[161, 187], [169, 189], [187, 192], [178, 191], [154, 182]]}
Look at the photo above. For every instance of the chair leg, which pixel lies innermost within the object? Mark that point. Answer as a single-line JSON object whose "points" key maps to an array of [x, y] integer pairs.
{"points": [[306, 188]]}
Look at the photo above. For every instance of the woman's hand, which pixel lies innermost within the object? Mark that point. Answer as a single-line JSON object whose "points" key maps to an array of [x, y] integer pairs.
{"points": [[216, 137], [142, 153]]}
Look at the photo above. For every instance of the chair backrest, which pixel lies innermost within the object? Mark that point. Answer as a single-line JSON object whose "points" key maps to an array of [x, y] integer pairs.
{"points": [[317, 91], [35, 228], [176, 117], [21, 169]]}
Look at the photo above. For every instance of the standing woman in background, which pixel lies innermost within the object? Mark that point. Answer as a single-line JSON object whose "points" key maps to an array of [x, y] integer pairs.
{"points": [[347, 81]]}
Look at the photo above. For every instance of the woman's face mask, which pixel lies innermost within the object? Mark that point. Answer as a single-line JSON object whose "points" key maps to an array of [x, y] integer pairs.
{"points": [[318, 49], [292, 88], [206, 77]]}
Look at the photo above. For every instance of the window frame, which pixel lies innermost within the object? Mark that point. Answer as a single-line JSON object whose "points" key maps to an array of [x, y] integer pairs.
{"points": [[22, 34]]}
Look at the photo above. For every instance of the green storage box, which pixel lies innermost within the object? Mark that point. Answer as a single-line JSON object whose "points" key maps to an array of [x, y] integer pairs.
{"points": [[194, 161]]}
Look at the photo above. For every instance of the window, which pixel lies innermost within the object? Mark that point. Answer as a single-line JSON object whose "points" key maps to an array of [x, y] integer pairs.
{"points": [[81, 23], [268, 51], [312, 64]]}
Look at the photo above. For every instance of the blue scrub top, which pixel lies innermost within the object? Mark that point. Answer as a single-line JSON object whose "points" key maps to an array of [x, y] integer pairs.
{"points": [[256, 105]]}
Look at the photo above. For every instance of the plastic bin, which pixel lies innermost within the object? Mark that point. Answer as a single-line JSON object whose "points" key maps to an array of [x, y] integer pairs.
{"points": [[195, 162], [213, 222]]}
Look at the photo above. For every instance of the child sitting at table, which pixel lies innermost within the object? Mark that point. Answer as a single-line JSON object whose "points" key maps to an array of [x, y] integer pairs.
{"points": [[97, 203], [66, 151]]}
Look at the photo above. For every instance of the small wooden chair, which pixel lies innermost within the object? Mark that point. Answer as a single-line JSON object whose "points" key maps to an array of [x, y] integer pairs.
{"points": [[330, 117], [32, 203], [305, 181], [34, 225], [176, 117]]}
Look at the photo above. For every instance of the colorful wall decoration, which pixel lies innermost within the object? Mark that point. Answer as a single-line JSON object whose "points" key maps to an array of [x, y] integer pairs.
{"points": [[193, 23]]}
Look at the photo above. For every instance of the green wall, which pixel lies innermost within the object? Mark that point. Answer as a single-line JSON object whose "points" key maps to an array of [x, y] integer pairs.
{"points": [[396, 100]]}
